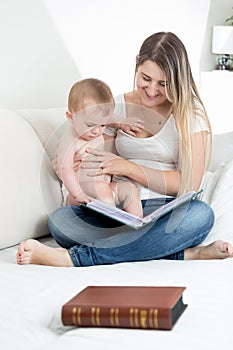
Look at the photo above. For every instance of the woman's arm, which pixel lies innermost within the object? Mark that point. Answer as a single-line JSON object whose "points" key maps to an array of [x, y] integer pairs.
{"points": [[167, 182], [100, 163], [199, 146], [164, 182]]}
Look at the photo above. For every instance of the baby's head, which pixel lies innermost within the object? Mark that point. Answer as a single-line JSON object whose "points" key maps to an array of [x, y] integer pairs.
{"points": [[90, 107]]}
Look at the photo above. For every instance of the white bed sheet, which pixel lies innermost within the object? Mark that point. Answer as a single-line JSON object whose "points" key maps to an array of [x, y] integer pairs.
{"points": [[31, 298]]}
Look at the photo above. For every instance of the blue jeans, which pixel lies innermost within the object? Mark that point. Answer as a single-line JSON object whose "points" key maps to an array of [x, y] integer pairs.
{"points": [[93, 239]]}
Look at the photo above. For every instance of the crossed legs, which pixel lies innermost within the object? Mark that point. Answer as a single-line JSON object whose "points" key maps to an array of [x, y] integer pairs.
{"points": [[34, 252]]}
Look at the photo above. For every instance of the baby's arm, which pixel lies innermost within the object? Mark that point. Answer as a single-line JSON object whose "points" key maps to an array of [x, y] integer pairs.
{"points": [[130, 125], [65, 162]]}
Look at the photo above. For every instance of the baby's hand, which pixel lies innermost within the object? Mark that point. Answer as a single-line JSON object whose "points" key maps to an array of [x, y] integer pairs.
{"points": [[132, 126], [82, 197]]}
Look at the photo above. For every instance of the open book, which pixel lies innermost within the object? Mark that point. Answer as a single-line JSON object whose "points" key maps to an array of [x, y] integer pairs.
{"points": [[134, 221]]}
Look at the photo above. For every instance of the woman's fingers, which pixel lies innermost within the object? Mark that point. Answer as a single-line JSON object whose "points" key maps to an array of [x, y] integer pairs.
{"points": [[132, 133], [96, 173], [98, 156], [95, 152], [136, 122], [93, 156], [76, 165], [91, 164], [102, 163]]}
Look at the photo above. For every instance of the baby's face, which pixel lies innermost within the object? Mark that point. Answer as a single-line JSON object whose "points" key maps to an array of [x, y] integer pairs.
{"points": [[91, 122]]}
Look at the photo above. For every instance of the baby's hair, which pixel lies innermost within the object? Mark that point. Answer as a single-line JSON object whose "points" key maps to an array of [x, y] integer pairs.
{"points": [[89, 90]]}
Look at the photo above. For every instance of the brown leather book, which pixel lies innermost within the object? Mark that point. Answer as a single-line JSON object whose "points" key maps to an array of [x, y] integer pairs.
{"points": [[125, 307]]}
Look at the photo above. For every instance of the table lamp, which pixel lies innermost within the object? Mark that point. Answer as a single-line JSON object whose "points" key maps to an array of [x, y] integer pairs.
{"points": [[222, 44]]}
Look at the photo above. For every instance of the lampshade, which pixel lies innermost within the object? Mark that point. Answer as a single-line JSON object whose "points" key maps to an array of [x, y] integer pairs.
{"points": [[222, 40]]}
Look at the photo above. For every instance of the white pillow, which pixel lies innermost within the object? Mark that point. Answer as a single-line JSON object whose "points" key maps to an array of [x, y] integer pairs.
{"points": [[29, 189], [218, 193], [48, 124], [222, 150]]}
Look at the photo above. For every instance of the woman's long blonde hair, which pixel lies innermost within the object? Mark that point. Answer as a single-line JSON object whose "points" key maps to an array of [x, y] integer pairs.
{"points": [[168, 52]]}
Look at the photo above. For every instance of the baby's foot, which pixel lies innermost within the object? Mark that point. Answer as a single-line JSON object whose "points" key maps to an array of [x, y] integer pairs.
{"points": [[216, 250], [34, 252]]}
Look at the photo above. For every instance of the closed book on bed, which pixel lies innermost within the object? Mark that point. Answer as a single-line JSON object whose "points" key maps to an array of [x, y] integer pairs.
{"points": [[125, 307]]}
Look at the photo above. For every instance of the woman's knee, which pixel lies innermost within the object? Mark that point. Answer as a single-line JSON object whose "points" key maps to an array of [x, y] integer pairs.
{"points": [[202, 214], [54, 218], [59, 219], [59, 225]]}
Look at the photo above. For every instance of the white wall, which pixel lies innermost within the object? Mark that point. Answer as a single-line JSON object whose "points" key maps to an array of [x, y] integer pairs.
{"points": [[36, 68], [218, 12], [46, 43], [104, 36], [216, 86]]}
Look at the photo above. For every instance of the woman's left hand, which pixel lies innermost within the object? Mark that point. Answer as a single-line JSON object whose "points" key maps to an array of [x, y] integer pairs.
{"points": [[103, 163]]}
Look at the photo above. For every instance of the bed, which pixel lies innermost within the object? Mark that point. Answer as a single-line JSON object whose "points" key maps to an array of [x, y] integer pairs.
{"points": [[32, 296]]}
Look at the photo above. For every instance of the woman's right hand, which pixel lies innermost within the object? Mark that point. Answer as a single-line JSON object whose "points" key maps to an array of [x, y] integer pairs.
{"points": [[104, 163], [77, 161]]}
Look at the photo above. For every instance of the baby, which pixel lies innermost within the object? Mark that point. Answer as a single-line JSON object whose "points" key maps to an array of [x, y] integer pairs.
{"points": [[90, 110]]}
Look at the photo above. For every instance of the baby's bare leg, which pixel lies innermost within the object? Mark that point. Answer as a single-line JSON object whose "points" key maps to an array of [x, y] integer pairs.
{"points": [[100, 190], [128, 194]]}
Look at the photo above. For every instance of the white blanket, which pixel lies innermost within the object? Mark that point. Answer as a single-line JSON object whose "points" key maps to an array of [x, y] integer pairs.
{"points": [[32, 297]]}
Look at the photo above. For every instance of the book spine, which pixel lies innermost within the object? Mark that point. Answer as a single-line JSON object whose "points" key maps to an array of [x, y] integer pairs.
{"points": [[95, 316]]}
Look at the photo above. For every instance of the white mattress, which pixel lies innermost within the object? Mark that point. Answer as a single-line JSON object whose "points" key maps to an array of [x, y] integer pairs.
{"points": [[32, 296]]}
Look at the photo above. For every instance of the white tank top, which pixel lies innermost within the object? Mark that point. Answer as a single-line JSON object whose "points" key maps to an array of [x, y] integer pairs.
{"points": [[159, 151]]}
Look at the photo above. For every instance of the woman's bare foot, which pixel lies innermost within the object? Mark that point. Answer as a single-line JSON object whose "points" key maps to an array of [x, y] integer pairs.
{"points": [[215, 250], [34, 252]]}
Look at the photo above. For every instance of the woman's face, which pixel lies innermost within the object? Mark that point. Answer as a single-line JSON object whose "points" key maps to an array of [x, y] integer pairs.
{"points": [[151, 82]]}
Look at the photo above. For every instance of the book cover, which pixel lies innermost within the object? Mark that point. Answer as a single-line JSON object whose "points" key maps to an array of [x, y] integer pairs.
{"points": [[125, 307], [134, 221]]}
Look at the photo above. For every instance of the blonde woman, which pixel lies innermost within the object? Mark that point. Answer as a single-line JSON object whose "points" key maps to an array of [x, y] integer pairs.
{"points": [[166, 159]]}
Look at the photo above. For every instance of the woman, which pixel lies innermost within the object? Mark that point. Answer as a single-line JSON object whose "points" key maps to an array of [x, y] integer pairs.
{"points": [[166, 159]]}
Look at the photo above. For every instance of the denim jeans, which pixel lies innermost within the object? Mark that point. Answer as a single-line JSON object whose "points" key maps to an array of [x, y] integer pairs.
{"points": [[94, 239]]}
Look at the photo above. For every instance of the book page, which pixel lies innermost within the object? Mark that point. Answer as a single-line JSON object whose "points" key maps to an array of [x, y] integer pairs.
{"points": [[115, 213], [169, 206], [134, 221]]}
